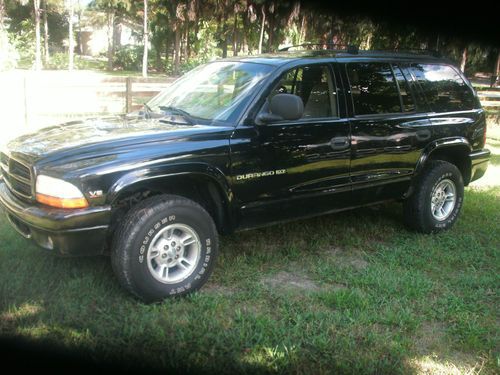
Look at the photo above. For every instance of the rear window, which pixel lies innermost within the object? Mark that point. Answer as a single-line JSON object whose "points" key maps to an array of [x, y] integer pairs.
{"points": [[444, 89], [373, 88]]}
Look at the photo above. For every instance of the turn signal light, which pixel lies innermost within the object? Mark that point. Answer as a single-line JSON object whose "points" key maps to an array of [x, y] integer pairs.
{"points": [[62, 202]]}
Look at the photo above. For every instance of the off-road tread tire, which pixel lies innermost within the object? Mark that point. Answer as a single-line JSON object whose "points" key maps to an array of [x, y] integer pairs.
{"points": [[416, 208], [129, 235]]}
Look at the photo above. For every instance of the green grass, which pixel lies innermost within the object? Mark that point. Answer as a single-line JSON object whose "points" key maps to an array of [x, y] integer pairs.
{"points": [[347, 293]]}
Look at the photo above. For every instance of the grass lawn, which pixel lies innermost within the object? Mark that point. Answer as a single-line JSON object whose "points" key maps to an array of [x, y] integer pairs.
{"points": [[353, 292]]}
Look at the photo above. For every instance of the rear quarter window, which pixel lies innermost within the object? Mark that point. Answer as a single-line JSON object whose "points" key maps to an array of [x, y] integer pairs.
{"points": [[444, 89]]}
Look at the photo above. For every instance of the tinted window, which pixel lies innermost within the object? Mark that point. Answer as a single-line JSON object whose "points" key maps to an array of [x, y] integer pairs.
{"points": [[404, 90], [444, 89], [373, 88], [315, 86]]}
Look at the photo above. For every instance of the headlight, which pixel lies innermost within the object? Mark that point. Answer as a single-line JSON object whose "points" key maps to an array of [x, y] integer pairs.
{"points": [[58, 193]]}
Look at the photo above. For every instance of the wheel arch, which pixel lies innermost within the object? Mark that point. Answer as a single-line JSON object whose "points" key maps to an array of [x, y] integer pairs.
{"points": [[203, 184], [453, 150]]}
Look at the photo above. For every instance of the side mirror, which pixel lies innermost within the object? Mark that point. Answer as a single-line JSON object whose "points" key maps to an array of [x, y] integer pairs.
{"points": [[282, 107]]}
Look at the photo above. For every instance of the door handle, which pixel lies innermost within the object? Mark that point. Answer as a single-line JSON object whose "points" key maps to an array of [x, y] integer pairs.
{"points": [[339, 143]]}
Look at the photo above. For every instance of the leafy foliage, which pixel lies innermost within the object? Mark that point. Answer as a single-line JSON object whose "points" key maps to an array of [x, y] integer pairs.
{"points": [[183, 33], [128, 57]]}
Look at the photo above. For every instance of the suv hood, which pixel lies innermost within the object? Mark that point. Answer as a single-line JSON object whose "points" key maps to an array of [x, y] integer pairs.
{"points": [[98, 136]]}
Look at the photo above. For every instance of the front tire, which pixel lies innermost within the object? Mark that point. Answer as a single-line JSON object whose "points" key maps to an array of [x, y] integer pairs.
{"points": [[166, 246], [437, 198]]}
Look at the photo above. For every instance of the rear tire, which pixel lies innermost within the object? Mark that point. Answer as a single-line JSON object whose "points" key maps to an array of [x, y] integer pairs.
{"points": [[437, 198], [166, 246]]}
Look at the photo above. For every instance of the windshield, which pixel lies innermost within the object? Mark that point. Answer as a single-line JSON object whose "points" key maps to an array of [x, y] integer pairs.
{"points": [[212, 91]]}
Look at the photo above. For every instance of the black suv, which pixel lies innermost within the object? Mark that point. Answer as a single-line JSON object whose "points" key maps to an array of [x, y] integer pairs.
{"points": [[242, 143]]}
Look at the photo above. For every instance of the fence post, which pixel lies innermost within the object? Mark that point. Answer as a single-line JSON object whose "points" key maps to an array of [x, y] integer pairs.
{"points": [[128, 95]]}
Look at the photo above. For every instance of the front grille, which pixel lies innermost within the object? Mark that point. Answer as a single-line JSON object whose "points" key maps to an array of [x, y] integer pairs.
{"points": [[17, 176]]}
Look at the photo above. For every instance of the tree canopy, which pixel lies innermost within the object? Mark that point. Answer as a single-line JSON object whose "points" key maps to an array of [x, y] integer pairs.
{"points": [[178, 34]]}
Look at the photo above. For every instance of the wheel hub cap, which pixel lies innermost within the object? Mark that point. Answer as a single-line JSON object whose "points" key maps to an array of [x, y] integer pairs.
{"points": [[174, 253], [443, 199]]}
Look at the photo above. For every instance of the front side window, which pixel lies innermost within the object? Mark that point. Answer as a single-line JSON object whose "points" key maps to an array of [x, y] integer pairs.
{"points": [[315, 87], [212, 91], [373, 88], [444, 89]]}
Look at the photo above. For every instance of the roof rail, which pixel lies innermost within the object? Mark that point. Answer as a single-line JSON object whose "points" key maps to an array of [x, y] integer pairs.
{"points": [[353, 49], [331, 46], [416, 51]]}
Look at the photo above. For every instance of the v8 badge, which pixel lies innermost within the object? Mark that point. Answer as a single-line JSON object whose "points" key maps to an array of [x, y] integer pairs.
{"points": [[95, 194]]}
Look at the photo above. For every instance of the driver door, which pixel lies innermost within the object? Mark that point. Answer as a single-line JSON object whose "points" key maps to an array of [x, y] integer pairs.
{"points": [[294, 168]]}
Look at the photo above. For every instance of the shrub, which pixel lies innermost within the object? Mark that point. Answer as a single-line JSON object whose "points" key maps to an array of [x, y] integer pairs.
{"points": [[128, 57]]}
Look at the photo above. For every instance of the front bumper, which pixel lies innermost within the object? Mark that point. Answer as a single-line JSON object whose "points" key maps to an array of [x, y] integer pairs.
{"points": [[479, 163], [65, 232]]}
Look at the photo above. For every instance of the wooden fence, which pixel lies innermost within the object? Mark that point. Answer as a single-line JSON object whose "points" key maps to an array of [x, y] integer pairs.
{"points": [[35, 100], [490, 98]]}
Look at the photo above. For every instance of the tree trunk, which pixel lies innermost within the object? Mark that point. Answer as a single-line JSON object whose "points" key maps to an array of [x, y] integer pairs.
{"points": [[117, 33], [2, 14], [38, 54], [494, 79], [79, 39], [188, 44], [270, 40], [303, 29], [464, 60], [177, 49], [262, 29], [167, 46], [45, 33], [224, 35], [224, 47], [196, 27], [145, 38], [71, 48], [235, 35], [186, 40], [245, 46], [158, 63], [111, 20], [497, 69]]}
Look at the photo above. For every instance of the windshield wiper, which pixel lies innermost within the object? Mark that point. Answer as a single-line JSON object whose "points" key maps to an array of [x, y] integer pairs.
{"points": [[148, 110], [177, 111]]}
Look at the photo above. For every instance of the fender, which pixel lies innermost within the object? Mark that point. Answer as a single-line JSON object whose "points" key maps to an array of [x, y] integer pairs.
{"points": [[164, 174], [439, 144]]}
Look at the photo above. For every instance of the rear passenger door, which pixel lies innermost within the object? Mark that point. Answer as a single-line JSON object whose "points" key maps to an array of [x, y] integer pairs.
{"points": [[387, 129]]}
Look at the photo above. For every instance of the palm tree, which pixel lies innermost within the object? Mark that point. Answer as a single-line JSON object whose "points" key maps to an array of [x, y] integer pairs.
{"points": [[145, 38], [38, 53]]}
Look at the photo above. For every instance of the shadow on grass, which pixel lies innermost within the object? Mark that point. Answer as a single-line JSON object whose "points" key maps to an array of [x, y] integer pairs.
{"points": [[74, 311]]}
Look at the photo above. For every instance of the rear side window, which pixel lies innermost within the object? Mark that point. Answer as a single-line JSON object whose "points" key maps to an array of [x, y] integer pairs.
{"points": [[444, 89], [373, 88]]}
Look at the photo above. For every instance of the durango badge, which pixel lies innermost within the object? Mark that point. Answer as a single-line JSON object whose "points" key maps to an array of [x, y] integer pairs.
{"points": [[260, 174]]}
